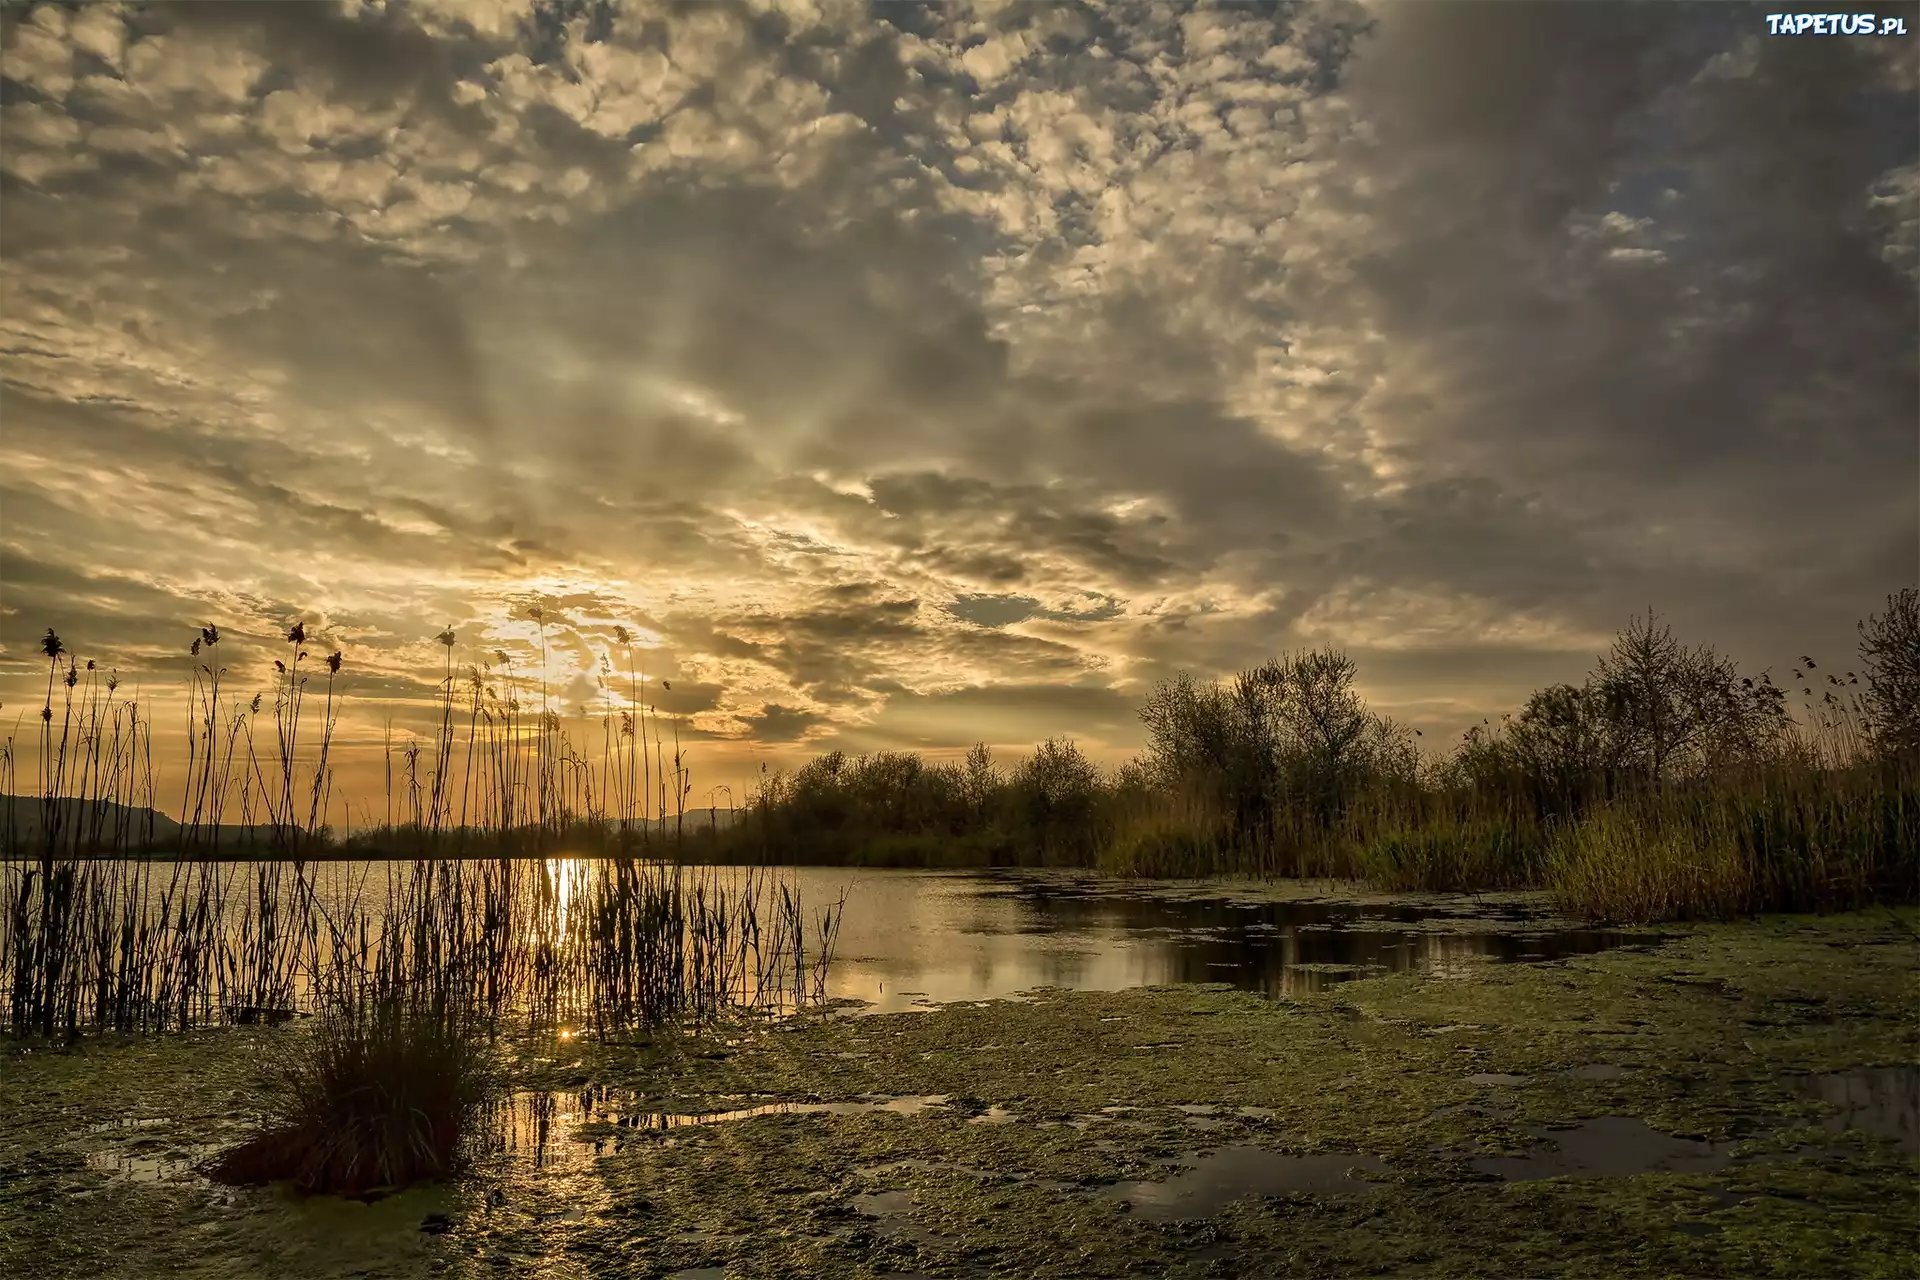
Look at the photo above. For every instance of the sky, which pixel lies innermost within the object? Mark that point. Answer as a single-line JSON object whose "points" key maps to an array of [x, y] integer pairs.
{"points": [[904, 376]]}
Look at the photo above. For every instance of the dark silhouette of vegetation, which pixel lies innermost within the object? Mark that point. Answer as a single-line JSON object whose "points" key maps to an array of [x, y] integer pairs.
{"points": [[381, 1092], [1890, 653], [1665, 756], [1666, 784]]}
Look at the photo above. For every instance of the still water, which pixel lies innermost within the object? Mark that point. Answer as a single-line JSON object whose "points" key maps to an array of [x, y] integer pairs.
{"points": [[918, 939], [911, 940]]}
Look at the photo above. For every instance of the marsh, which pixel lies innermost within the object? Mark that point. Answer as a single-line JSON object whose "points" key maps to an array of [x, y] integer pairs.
{"points": [[1048, 1075]]}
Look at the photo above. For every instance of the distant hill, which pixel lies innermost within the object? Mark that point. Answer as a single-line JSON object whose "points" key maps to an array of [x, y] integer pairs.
{"points": [[107, 827], [23, 819]]}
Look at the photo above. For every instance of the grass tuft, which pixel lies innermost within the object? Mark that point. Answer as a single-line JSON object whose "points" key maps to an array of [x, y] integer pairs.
{"points": [[380, 1092]]}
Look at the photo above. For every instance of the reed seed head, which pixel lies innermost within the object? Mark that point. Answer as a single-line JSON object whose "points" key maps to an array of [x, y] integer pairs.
{"points": [[51, 646]]}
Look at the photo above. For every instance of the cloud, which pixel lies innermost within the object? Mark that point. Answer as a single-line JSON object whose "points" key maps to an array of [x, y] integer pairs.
{"points": [[905, 376]]}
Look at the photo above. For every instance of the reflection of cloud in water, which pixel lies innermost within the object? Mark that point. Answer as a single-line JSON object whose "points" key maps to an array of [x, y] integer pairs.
{"points": [[909, 939]]}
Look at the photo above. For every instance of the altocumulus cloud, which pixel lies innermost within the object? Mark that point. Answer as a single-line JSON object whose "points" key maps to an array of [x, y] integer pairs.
{"points": [[903, 375]]}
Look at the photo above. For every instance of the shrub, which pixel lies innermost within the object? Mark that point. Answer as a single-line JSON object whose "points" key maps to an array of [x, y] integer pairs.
{"points": [[379, 1092]]}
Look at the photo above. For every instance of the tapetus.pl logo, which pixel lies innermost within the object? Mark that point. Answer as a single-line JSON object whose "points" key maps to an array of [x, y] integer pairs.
{"points": [[1834, 24]]}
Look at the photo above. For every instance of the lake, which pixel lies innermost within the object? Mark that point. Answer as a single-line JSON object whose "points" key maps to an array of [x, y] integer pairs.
{"points": [[919, 939]]}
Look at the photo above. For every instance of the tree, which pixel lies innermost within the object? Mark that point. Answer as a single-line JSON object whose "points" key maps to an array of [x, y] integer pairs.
{"points": [[1668, 710], [1890, 653], [980, 784], [1291, 731], [1056, 791], [1221, 743]]}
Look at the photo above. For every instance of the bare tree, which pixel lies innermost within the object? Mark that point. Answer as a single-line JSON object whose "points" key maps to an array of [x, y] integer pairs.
{"points": [[1670, 710], [1890, 653]]}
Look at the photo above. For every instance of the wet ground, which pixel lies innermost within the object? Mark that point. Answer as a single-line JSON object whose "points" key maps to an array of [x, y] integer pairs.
{"points": [[1731, 1100]]}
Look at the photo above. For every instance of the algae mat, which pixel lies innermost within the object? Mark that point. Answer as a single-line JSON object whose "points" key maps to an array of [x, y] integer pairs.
{"points": [[1731, 1102]]}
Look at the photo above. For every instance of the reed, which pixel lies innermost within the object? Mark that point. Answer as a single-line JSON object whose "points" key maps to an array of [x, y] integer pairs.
{"points": [[89, 939]]}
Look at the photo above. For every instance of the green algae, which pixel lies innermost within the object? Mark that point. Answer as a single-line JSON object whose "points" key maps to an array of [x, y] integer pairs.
{"points": [[1702, 1036]]}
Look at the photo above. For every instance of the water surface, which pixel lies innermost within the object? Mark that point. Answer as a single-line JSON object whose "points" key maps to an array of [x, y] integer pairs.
{"points": [[914, 939]]}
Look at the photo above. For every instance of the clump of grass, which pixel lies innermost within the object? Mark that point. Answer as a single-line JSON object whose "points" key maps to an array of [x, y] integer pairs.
{"points": [[379, 1092], [1789, 838], [1634, 864], [1444, 855]]}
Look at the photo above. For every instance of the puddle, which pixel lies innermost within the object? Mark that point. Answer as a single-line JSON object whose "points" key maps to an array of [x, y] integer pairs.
{"points": [[994, 1115], [1496, 1078], [1222, 1176], [123, 1126], [162, 1164], [1598, 1071], [135, 1152], [1608, 1146], [891, 1211], [1877, 1100], [546, 1128]]}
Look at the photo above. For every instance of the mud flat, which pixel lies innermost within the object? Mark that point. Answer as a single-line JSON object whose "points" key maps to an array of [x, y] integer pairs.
{"points": [[1723, 1100]]}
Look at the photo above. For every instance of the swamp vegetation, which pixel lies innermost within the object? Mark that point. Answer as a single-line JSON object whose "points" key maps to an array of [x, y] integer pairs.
{"points": [[1736, 1100], [480, 1058]]}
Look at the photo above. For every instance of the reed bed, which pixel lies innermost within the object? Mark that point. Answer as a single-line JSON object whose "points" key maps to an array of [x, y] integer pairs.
{"points": [[96, 931], [604, 945]]}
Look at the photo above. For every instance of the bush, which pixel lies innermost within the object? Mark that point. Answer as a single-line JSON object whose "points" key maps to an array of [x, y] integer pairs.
{"points": [[379, 1092]]}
